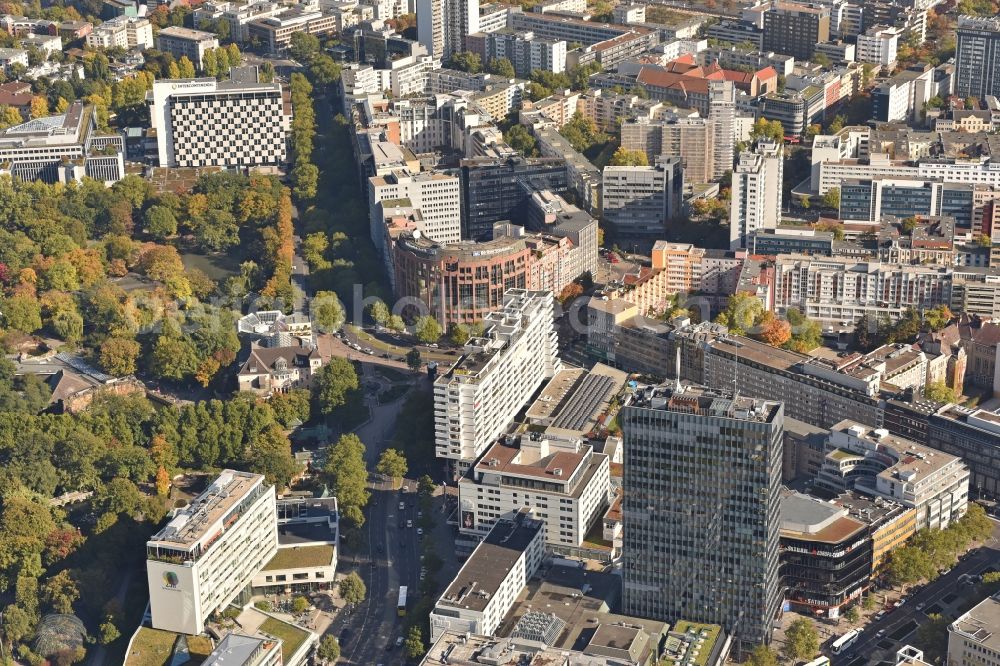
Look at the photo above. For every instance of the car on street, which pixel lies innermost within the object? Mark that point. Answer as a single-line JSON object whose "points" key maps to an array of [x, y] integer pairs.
{"points": [[409, 523], [399, 641], [879, 615], [920, 606], [880, 633], [402, 506], [420, 531]]}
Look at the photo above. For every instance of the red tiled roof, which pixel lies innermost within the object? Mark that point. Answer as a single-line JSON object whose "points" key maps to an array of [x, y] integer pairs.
{"points": [[659, 78], [15, 88], [767, 72], [738, 77], [8, 99]]}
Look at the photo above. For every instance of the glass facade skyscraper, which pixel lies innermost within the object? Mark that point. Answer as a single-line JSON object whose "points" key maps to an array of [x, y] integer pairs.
{"points": [[702, 474]]}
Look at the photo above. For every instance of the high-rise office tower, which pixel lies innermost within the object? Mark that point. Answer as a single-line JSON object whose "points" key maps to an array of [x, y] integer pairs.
{"points": [[501, 189], [795, 29], [756, 193], [443, 24], [722, 112], [691, 139], [977, 57], [702, 473]]}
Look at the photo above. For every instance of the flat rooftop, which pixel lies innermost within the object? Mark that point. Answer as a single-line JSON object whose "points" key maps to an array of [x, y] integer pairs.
{"points": [[574, 399], [490, 563], [573, 595], [911, 457], [55, 130], [811, 519], [473, 650], [981, 625], [692, 639], [758, 352], [193, 521], [871, 510], [803, 430], [694, 399], [155, 647], [238, 650], [178, 32], [554, 393], [301, 557]]}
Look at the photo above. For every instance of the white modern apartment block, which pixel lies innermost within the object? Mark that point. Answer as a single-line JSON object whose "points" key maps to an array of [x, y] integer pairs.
{"points": [[563, 481], [842, 289], [525, 51], [47, 44], [11, 57], [437, 195], [879, 46], [477, 399], [210, 550], [756, 193], [127, 32], [180, 42], [205, 122], [934, 483], [845, 156], [443, 24], [408, 75], [489, 582], [238, 15], [974, 638]]}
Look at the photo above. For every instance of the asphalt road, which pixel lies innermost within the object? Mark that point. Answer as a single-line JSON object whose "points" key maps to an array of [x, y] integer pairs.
{"points": [[899, 625], [390, 556]]}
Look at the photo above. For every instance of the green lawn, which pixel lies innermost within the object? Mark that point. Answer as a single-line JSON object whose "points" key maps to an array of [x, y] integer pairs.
{"points": [[291, 637], [710, 633], [300, 557], [153, 647]]}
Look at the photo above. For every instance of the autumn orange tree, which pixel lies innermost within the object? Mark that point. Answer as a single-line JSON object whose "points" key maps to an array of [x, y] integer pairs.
{"points": [[774, 331]]}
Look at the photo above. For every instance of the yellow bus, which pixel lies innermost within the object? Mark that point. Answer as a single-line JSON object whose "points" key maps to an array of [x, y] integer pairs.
{"points": [[401, 604]]}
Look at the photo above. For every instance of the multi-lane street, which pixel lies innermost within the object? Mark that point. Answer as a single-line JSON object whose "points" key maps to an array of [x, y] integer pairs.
{"points": [[883, 637], [389, 556]]}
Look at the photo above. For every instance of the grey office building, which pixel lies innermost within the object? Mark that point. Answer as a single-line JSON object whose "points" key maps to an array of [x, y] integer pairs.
{"points": [[702, 473], [977, 57], [500, 189]]}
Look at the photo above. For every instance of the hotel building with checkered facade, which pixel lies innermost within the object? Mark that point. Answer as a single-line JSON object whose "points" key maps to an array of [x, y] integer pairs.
{"points": [[239, 123]]}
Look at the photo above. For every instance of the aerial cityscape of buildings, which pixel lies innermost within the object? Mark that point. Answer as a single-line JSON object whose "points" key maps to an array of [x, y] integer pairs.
{"points": [[458, 332]]}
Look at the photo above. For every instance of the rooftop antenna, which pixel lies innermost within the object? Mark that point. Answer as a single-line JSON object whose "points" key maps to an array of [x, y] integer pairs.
{"points": [[736, 370], [677, 371]]}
